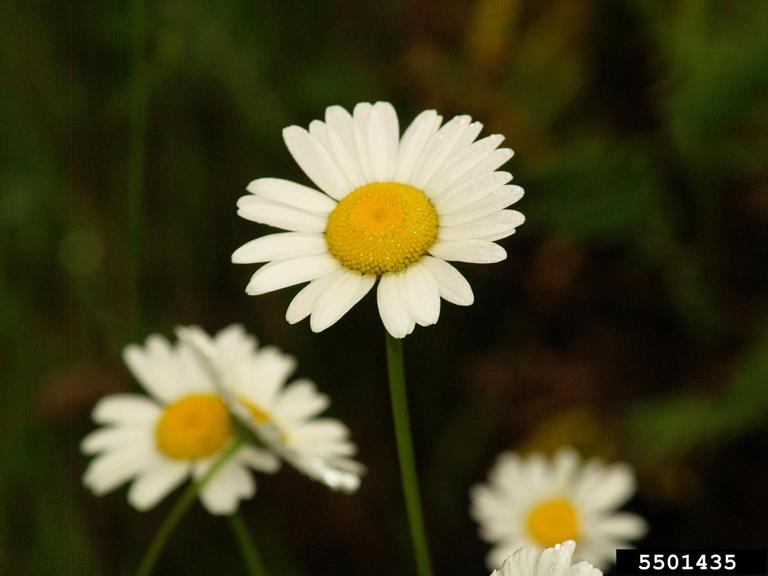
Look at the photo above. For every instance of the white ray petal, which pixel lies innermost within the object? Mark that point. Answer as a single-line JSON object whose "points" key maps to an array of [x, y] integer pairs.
{"points": [[413, 142], [284, 273], [279, 215], [493, 202], [438, 149], [502, 222], [342, 138], [420, 294], [155, 483], [316, 162], [452, 285], [280, 247], [361, 117], [393, 313], [296, 195], [473, 251], [338, 299], [302, 304], [383, 141]]}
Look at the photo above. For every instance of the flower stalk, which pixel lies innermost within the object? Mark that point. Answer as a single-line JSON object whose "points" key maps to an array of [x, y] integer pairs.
{"points": [[404, 438]]}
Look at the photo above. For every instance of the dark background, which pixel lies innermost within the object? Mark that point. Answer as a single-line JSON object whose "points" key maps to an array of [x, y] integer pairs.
{"points": [[629, 319]]}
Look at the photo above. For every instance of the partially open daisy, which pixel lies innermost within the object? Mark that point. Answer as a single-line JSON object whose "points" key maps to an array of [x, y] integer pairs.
{"points": [[554, 561], [283, 416], [388, 207], [539, 502], [179, 431]]}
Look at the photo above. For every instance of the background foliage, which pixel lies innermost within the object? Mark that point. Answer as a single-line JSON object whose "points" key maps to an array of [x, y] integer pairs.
{"points": [[628, 320]]}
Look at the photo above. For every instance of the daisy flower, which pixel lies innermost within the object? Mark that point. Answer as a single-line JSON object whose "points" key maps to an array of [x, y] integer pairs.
{"points": [[539, 502], [283, 416], [387, 207], [177, 431], [555, 561]]}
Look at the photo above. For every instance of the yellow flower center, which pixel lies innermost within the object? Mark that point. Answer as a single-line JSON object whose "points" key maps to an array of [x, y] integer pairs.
{"points": [[382, 227], [194, 427], [553, 521]]}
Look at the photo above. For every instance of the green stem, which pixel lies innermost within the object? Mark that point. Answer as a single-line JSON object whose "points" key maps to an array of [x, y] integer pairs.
{"points": [[405, 452], [250, 554], [182, 505]]}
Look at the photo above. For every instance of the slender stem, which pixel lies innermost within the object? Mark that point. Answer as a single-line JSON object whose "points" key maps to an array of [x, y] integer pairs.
{"points": [[405, 452], [177, 513], [250, 554]]}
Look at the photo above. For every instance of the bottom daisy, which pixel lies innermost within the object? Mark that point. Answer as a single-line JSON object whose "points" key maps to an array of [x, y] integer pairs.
{"points": [[555, 561], [178, 432]]}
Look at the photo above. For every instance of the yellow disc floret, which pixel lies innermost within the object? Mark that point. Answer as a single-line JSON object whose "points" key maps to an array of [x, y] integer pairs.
{"points": [[553, 521], [194, 427], [382, 227]]}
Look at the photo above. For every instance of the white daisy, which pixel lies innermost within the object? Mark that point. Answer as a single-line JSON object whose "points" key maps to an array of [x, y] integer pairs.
{"points": [[539, 502], [555, 561], [388, 207], [283, 416], [177, 432]]}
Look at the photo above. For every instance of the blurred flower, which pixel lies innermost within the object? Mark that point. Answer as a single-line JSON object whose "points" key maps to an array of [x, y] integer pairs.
{"points": [[390, 208], [540, 502], [283, 417], [179, 431], [556, 561]]}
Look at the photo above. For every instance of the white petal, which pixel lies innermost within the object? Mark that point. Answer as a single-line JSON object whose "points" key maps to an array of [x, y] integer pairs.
{"points": [[299, 401], [438, 149], [223, 491], [293, 194], [316, 162], [280, 215], [393, 313], [280, 246], [469, 189], [611, 488], [622, 526], [302, 304], [342, 139], [338, 299], [284, 273], [153, 484], [361, 117], [156, 367], [556, 561], [258, 459], [497, 225], [420, 295], [114, 438], [465, 161], [127, 409], [474, 251], [383, 140], [412, 144], [462, 144], [452, 285], [111, 469], [493, 202]]}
